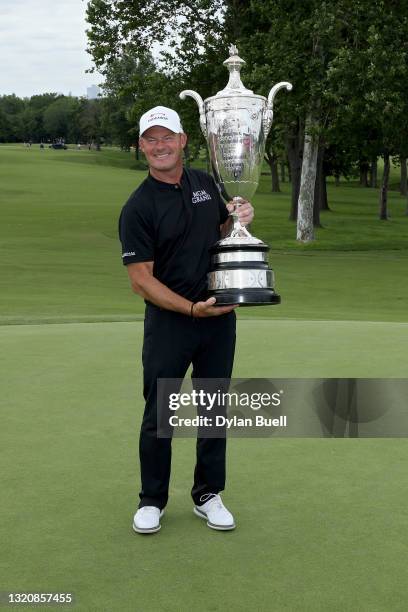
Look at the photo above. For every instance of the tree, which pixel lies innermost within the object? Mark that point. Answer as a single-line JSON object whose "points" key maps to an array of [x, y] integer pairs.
{"points": [[89, 120], [272, 159], [198, 35], [6, 130], [368, 82], [387, 74], [121, 36], [187, 28], [346, 60], [305, 57], [59, 119], [11, 110], [33, 118], [403, 179], [132, 85]]}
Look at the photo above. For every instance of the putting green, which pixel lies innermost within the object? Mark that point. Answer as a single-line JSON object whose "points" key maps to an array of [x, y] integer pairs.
{"points": [[320, 522]]}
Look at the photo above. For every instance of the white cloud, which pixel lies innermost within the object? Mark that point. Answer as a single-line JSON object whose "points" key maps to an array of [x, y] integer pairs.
{"points": [[42, 47]]}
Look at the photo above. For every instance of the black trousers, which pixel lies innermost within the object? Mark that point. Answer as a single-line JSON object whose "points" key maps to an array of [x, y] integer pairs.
{"points": [[172, 342]]}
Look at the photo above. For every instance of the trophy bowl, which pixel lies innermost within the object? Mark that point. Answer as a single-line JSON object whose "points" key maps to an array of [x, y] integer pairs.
{"points": [[236, 123]]}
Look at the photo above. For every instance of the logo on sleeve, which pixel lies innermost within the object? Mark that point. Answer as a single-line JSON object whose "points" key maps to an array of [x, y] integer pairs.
{"points": [[200, 196]]}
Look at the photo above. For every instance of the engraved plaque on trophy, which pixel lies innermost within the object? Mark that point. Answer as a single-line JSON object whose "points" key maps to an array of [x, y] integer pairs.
{"points": [[236, 123]]}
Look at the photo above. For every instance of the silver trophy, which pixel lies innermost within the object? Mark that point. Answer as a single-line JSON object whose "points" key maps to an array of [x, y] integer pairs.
{"points": [[235, 123]]}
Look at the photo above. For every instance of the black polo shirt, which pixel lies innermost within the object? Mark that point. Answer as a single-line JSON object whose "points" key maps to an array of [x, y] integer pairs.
{"points": [[174, 226]]}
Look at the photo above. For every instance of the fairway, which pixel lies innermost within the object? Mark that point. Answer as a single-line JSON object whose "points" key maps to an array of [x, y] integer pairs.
{"points": [[60, 255], [332, 511], [321, 522]]}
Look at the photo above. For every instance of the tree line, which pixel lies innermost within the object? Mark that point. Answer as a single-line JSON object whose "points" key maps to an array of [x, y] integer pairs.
{"points": [[49, 117], [346, 59]]}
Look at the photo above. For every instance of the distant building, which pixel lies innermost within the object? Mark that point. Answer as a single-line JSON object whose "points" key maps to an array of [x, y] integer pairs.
{"points": [[92, 92]]}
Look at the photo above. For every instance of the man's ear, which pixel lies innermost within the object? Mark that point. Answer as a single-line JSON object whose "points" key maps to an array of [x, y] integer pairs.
{"points": [[141, 145], [183, 139]]}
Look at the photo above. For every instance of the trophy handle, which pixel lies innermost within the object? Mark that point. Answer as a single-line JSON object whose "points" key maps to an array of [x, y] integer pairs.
{"points": [[200, 103], [268, 113]]}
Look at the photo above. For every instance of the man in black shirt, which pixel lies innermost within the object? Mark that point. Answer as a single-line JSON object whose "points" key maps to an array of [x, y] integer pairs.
{"points": [[166, 228]]}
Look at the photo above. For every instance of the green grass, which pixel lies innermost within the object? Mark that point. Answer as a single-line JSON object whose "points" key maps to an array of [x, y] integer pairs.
{"points": [[320, 522], [60, 255]]}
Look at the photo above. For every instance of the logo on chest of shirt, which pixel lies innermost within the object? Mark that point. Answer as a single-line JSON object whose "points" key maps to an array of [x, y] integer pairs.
{"points": [[200, 196]]}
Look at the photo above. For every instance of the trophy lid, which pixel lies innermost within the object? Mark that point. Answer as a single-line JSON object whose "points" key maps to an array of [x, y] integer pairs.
{"points": [[234, 86]]}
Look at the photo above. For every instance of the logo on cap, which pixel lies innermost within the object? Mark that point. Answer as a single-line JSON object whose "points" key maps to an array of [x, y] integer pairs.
{"points": [[155, 116]]}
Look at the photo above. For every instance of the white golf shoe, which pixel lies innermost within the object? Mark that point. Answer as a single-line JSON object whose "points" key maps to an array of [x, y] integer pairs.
{"points": [[147, 519], [215, 513]]}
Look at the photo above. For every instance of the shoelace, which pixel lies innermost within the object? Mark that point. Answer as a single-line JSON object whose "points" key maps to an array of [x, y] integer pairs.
{"points": [[213, 497]]}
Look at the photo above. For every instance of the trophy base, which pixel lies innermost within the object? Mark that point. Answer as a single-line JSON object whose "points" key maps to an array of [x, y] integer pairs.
{"points": [[240, 273], [245, 297]]}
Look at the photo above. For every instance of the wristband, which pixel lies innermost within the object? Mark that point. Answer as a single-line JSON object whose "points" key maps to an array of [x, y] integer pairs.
{"points": [[191, 309]]}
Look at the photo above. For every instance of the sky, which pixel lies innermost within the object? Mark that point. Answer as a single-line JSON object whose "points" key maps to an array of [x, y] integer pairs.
{"points": [[42, 48]]}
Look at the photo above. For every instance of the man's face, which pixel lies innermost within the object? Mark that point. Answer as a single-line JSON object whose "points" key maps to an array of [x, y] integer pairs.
{"points": [[163, 148]]}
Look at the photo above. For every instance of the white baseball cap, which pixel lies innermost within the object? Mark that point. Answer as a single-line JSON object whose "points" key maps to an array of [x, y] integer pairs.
{"points": [[163, 116]]}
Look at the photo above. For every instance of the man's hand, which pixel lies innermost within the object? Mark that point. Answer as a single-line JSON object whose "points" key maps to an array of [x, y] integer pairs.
{"points": [[244, 209], [207, 309]]}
